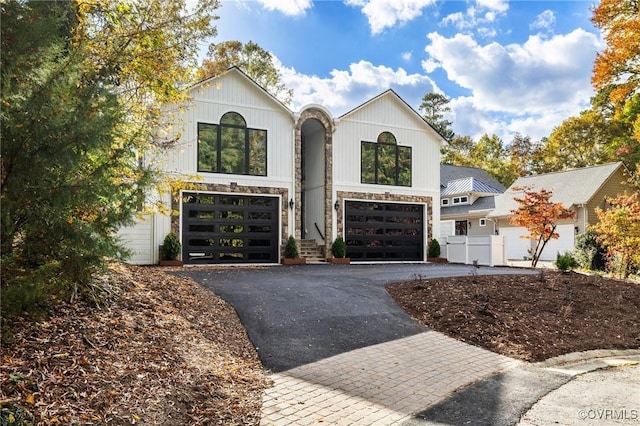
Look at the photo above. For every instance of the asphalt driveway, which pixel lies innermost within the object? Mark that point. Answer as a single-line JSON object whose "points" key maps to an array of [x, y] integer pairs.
{"points": [[296, 315]]}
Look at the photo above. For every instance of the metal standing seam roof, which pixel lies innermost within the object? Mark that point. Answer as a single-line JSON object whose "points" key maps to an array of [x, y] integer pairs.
{"points": [[571, 187], [468, 185]]}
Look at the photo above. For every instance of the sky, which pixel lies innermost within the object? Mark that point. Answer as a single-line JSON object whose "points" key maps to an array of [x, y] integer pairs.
{"points": [[507, 66]]}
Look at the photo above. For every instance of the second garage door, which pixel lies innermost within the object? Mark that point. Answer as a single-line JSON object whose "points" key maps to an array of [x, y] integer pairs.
{"points": [[223, 228], [384, 231]]}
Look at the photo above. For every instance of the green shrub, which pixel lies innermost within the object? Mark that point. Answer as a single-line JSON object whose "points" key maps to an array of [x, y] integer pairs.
{"points": [[589, 253], [339, 248], [171, 246], [565, 262], [291, 249], [434, 248]]}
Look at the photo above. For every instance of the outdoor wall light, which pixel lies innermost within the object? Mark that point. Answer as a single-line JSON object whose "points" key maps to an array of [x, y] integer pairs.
{"points": [[291, 204], [336, 205]]}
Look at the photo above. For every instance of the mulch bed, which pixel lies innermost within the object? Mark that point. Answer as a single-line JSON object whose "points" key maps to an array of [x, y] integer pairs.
{"points": [[158, 350], [528, 317]]}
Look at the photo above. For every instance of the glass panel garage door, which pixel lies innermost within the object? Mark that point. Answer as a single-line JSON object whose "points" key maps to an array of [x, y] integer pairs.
{"points": [[228, 228], [384, 231]]}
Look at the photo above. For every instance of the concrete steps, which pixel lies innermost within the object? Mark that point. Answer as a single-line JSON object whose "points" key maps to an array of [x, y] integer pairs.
{"points": [[310, 250]]}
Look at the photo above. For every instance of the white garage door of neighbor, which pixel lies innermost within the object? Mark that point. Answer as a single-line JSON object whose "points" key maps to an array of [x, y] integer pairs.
{"points": [[564, 244], [515, 248]]}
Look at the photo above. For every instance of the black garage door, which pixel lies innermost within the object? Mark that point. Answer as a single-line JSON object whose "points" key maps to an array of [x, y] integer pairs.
{"points": [[384, 231], [222, 228]]}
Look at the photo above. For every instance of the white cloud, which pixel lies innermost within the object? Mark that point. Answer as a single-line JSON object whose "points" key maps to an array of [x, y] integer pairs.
{"points": [[478, 17], [387, 13], [536, 82], [288, 7], [406, 56], [500, 6], [544, 21], [344, 90]]}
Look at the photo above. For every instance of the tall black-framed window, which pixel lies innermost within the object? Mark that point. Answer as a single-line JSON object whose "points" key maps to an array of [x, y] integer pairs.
{"points": [[231, 147], [385, 162]]}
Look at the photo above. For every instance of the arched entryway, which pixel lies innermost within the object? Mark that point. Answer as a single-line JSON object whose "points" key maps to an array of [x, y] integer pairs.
{"points": [[314, 176]]}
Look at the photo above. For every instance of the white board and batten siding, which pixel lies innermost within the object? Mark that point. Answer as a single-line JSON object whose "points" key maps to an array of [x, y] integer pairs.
{"points": [[387, 113], [234, 93]]}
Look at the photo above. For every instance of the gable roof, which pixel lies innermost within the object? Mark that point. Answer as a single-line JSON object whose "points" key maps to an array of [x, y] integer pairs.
{"points": [[571, 187], [405, 105], [237, 72], [474, 176]]}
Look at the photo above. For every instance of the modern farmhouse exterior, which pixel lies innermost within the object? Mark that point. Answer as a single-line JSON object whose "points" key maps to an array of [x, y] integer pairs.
{"points": [[258, 172]]}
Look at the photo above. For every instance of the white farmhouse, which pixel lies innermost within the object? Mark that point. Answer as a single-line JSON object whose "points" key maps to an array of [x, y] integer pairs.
{"points": [[262, 172]]}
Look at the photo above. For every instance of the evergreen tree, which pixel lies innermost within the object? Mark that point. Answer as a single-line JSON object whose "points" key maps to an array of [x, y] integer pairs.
{"points": [[434, 107], [75, 119]]}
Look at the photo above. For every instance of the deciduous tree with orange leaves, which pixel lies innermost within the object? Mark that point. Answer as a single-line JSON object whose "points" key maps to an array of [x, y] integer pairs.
{"points": [[618, 230], [617, 68], [540, 216]]}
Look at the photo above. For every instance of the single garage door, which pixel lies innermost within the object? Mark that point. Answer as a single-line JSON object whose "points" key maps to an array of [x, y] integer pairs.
{"points": [[224, 228], [384, 231], [565, 243]]}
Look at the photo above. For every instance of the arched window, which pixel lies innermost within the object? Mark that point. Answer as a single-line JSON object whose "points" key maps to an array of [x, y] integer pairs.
{"points": [[385, 162], [231, 147], [386, 137], [233, 119]]}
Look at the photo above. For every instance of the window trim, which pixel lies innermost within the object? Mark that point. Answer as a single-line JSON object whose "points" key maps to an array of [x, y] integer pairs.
{"points": [[444, 202], [218, 146], [482, 221]]}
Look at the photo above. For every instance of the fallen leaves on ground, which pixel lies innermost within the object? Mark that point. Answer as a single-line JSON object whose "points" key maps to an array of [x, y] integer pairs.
{"points": [[160, 350], [529, 317]]}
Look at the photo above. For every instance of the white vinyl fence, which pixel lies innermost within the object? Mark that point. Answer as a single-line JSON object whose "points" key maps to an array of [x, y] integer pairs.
{"points": [[484, 250]]}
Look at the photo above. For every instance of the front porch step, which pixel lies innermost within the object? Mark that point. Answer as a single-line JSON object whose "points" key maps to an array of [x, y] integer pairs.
{"points": [[310, 250]]}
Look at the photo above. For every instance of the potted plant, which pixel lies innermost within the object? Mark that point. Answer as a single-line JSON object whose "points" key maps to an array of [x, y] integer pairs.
{"points": [[171, 250], [339, 251], [433, 252], [291, 253]]}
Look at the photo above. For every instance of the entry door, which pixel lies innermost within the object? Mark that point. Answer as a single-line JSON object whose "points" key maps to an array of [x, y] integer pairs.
{"points": [[229, 228]]}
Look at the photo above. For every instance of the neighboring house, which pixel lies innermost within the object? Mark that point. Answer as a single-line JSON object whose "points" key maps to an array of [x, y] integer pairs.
{"points": [[466, 198], [259, 172], [582, 190]]}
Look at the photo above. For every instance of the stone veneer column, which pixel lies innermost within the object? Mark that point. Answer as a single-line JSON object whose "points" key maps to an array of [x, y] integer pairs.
{"points": [[327, 123]]}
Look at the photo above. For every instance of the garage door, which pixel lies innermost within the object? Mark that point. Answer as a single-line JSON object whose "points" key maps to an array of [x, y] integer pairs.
{"points": [[223, 228], [565, 243], [515, 248], [384, 231]]}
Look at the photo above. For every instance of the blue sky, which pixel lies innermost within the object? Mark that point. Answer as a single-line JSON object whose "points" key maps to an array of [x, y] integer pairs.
{"points": [[507, 66]]}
